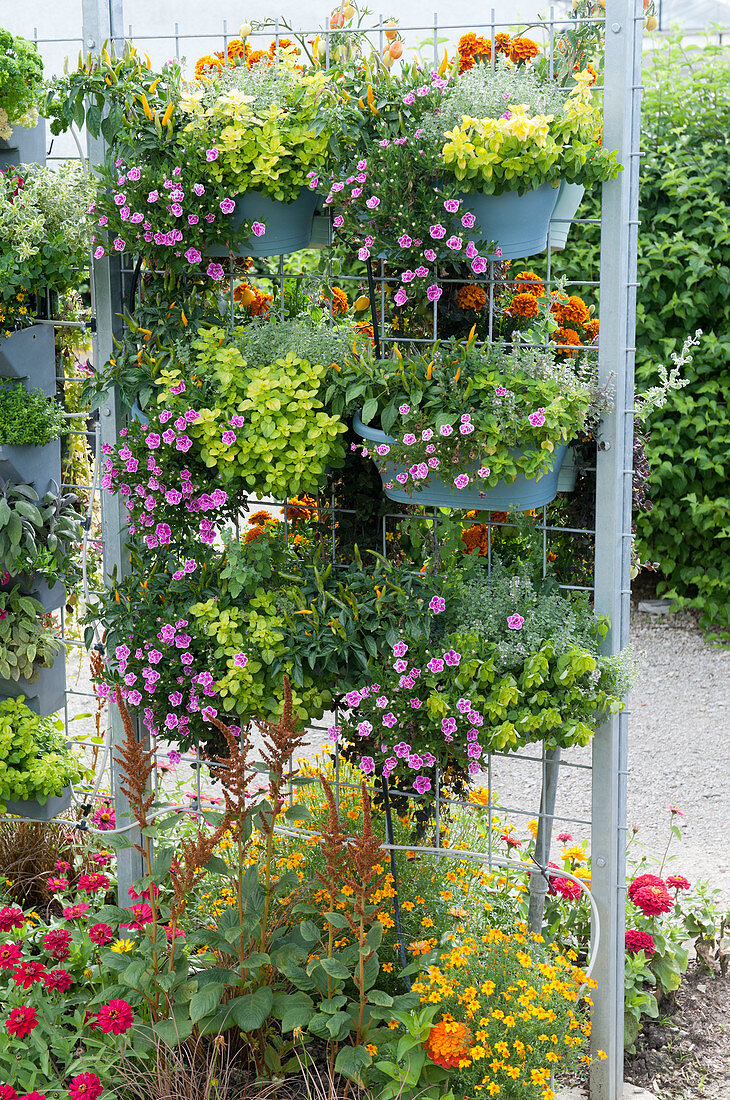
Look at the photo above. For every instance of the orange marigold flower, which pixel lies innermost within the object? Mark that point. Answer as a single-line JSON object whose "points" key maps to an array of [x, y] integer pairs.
{"points": [[284, 44], [252, 299], [236, 50], [449, 1043], [471, 297], [253, 534], [567, 336], [340, 302], [303, 507], [591, 328], [523, 49], [530, 283], [523, 305], [255, 56], [261, 518], [571, 311], [208, 66], [471, 48]]}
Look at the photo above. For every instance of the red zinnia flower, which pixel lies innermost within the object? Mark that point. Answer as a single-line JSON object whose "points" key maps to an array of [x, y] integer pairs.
{"points": [[100, 933], [510, 841], [91, 883], [653, 900], [142, 915], [116, 1017], [639, 941], [86, 1086], [34, 1095], [678, 882], [569, 889], [564, 837], [21, 1021], [62, 865], [28, 973], [7, 1092], [10, 956], [11, 917], [102, 859], [57, 884], [71, 912], [58, 979], [56, 943], [644, 880]]}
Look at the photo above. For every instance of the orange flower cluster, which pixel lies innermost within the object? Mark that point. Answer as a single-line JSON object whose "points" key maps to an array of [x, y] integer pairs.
{"points": [[473, 48], [523, 49], [528, 282], [449, 1043], [572, 310], [259, 521], [523, 305], [301, 508], [239, 52], [340, 301], [480, 534], [471, 297], [577, 327], [251, 298]]}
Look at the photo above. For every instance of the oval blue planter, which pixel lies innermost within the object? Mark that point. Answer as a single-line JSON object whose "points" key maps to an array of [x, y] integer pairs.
{"points": [[520, 495], [26, 146], [288, 224], [518, 223], [30, 356], [570, 196]]}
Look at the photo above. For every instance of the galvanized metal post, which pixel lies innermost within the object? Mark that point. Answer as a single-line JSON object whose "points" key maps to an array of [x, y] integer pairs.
{"points": [[619, 231], [103, 20]]}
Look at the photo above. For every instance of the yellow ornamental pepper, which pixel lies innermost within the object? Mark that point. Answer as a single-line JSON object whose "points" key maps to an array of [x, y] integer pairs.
{"points": [[105, 55], [146, 106], [148, 63], [153, 86], [457, 375], [361, 104], [429, 370], [444, 64], [183, 318], [168, 114]]}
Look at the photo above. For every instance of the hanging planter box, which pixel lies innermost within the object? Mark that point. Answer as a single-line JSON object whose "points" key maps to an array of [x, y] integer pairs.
{"points": [[52, 597], [30, 357], [32, 810], [46, 695], [522, 494], [36, 466], [288, 224], [570, 196], [518, 223], [26, 146]]}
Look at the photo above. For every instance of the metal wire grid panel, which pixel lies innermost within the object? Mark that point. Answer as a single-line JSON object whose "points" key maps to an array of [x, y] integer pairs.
{"points": [[603, 769]]}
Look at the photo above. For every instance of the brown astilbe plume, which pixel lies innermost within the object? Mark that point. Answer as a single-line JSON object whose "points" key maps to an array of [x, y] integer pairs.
{"points": [[365, 854], [233, 772], [136, 764], [281, 741], [189, 866], [333, 844]]}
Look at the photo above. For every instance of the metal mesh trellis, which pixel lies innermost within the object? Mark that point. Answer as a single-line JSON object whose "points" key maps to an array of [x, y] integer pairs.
{"points": [[602, 770]]}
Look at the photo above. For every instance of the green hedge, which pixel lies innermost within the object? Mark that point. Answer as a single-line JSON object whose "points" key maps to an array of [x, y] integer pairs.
{"points": [[684, 285]]}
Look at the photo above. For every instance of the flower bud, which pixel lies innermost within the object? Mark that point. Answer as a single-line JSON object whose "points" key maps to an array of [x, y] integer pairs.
{"points": [[245, 30]]}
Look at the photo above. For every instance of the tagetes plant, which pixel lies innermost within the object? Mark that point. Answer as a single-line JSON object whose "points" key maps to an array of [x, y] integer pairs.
{"points": [[510, 1011]]}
